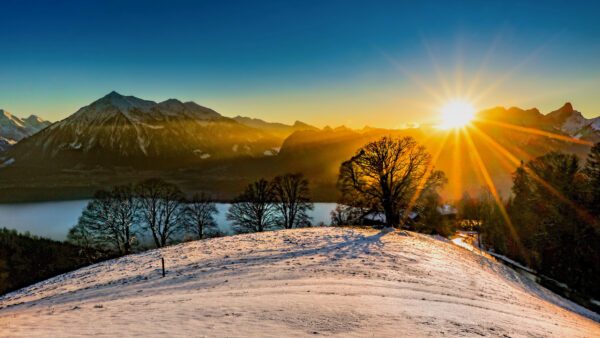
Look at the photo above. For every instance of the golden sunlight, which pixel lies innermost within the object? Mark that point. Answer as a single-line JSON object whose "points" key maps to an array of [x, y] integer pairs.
{"points": [[456, 114]]}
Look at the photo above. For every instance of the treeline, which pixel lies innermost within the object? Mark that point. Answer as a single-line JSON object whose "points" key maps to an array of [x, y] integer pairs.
{"points": [[551, 223], [115, 219], [26, 259]]}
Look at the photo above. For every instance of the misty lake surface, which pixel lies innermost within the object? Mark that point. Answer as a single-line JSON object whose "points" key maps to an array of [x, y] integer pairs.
{"points": [[54, 219]]}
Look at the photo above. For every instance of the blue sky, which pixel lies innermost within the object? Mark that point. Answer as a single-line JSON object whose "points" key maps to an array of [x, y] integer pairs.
{"points": [[324, 62]]}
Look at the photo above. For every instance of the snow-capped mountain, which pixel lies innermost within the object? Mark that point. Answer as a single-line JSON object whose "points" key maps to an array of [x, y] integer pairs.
{"points": [[14, 129], [128, 130], [572, 122], [565, 120]]}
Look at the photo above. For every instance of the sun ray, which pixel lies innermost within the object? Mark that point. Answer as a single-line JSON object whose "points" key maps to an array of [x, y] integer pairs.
{"points": [[456, 165], [508, 74], [413, 78], [536, 132], [425, 177], [492, 188], [584, 214], [477, 78], [438, 71]]}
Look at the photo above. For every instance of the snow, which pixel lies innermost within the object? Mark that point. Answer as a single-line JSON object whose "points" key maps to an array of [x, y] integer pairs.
{"points": [[8, 162], [321, 281], [446, 209]]}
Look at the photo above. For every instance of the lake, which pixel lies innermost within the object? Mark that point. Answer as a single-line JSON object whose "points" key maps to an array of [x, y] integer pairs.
{"points": [[54, 219]]}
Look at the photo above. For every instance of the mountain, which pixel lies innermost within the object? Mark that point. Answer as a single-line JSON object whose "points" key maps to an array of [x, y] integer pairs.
{"points": [[573, 123], [523, 134], [341, 282], [5, 143], [14, 129], [126, 130], [280, 129], [123, 139]]}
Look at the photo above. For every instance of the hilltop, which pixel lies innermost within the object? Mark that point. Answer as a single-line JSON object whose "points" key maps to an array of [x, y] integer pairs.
{"points": [[313, 281]]}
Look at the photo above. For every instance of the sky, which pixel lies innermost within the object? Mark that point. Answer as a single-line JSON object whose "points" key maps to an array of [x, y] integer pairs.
{"points": [[356, 63]]}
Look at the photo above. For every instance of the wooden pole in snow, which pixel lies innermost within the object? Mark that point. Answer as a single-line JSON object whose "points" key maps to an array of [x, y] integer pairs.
{"points": [[163, 265]]}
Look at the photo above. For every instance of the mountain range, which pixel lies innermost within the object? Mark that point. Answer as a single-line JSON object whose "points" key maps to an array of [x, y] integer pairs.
{"points": [[14, 129], [119, 139], [125, 130]]}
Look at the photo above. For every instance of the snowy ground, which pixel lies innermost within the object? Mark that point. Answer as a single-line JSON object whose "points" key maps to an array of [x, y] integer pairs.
{"points": [[316, 281]]}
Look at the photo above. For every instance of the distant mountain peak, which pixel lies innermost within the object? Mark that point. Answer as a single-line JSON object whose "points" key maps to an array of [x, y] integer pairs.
{"points": [[567, 107], [15, 128]]}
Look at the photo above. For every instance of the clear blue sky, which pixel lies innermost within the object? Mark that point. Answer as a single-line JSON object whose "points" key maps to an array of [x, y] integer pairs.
{"points": [[325, 62]]}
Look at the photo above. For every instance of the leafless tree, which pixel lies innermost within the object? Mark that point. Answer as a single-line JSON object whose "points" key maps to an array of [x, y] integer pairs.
{"points": [[162, 209], [111, 217], [384, 175], [254, 210], [292, 198], [346, 215], [200, 216]]}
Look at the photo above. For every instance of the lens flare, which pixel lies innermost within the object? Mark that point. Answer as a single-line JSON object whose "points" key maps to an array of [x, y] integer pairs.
{"points": [[456, 114]]}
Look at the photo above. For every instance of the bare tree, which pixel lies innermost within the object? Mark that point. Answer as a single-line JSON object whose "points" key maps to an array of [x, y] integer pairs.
{"points": [[111, 218], [200, 216], [292, 198], [346, 215], [162, 209], [254, 210], [384, 175]]}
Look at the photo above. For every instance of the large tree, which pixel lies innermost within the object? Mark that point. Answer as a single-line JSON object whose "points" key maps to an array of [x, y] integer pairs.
{"points": [[200, 214], [385, 175], [111, 217], [162, 209], [293, 200], [254, 210]]}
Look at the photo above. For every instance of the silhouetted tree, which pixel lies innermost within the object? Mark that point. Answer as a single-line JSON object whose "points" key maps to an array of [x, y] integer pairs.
{"points": [[346, 215], [431, 220], [254, 210], [111, 218], [549, 229], [292, 198], [162, 209], [385, 175], [200, 216]]}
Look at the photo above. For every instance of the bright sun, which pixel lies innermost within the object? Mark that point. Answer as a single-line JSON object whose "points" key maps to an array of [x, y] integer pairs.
{"points": [[456, 114]]}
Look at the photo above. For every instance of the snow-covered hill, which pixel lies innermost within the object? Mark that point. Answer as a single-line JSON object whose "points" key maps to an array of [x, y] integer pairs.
{"points": [[315, 281]]}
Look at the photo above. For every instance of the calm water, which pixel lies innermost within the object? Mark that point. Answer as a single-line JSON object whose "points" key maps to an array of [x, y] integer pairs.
{"points": [[54, 219]]}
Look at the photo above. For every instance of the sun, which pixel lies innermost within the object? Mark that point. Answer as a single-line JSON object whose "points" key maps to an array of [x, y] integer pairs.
{"points": [[456, 114]]}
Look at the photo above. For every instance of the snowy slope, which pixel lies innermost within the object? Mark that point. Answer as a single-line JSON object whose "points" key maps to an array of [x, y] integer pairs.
{"points": [[316, 281]]}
